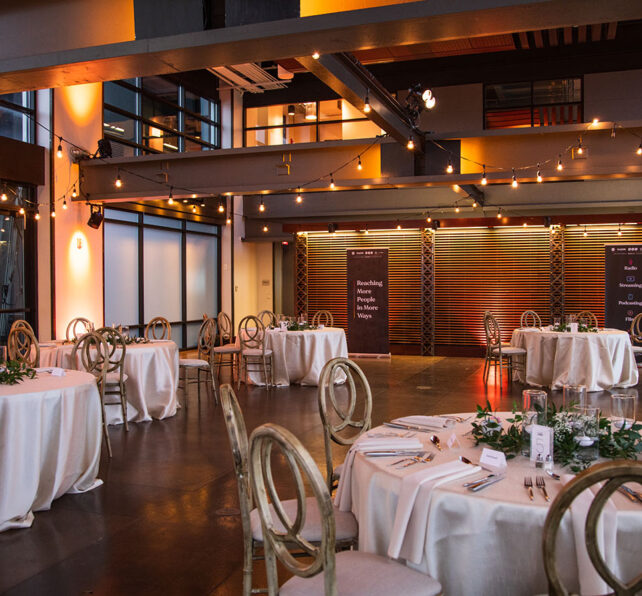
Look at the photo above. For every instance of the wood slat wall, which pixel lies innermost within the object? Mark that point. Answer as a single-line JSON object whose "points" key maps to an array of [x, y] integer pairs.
{"points": [[327, 278], [584, 265], [504, 270]]}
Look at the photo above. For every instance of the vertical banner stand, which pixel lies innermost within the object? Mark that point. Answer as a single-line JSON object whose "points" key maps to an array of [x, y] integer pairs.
{"points": [[623, 284]]}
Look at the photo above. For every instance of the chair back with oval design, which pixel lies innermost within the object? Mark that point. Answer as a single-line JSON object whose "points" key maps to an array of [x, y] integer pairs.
{"points": [[21, 323], [117, 348], [225, 330], [636, 329], [323, 317], [206, 338], [267, 317], [340, 424], [251, 333], [613, 474], [493, 333], [530, 318], [588, 316], [77, 327], [22, 346], [91, 352], [158, 328], [280, 532]]}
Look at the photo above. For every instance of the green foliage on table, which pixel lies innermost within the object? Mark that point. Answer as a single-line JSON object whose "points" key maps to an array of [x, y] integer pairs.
{"points": [[110, 339], [300, 327], [620, 444], [586, 328], [13, 372], [561, 328]]}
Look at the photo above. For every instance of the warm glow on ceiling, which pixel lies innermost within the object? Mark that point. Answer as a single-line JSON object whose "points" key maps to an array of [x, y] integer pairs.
{"points": [[312, 7]]}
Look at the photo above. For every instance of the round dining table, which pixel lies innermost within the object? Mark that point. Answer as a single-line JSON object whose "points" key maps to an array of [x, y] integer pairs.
{"points": [[486, 542], [299, 356], [50, 440], [152, 378], [600, 360]]}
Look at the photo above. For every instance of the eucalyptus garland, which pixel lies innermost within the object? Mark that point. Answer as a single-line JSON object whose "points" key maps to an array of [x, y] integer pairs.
{"points": [[300, 327], [12, 372], [621, 444]]}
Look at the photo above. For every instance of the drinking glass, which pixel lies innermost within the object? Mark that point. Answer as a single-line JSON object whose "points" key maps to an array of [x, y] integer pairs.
{"points": [[586, 430], [574, 394], [557, 321], [622, 411], [534, 404], [125, 330]]}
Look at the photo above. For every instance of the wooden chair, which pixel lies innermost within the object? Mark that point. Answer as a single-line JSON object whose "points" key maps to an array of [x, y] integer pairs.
{"points": [[530, 318], [21, 323], [267, 317], [115, 375], [499, 354], [636, 334], [201, 364], [254, 356], [589, 316], [22, 346], [77, 327], [225, 348], [613, 474], [337, 414], [158, 328], [324, 571], [91, 352], [252, 530], [323, 317]]}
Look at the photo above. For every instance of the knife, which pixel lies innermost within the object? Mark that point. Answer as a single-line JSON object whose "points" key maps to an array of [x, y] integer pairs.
{"points": [[423, 429], [632, 493], [480, 481], [485, 484], [391, 452]]}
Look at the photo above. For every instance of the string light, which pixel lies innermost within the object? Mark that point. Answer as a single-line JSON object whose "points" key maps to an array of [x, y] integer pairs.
{"points": [[261, 206], [484, 181], [580, 149], [428, 219], [53, 213], [499, 213], [64, 204], [398, 225], [359, 166], [613, 131], [21, 211], [171, 196], [539, 174], [203, 204], [74, 194], [119, 181], [366, 104], [221, 209], [185, 201], [59, 150], [316, 55], [332, 185], [449, 168], [639, 149], [410, 145], [265, 228], [228, 221], [366, 232], [474, 205], [193, 208], [596, 121], [619, 230], [4, 196], [585, 232], [457, 209], [37, 216], [514, 183], [560, 167], [299, 198]]}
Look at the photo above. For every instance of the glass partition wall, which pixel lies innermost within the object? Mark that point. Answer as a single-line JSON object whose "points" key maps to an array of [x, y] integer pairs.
{"points": [[157, 266]]}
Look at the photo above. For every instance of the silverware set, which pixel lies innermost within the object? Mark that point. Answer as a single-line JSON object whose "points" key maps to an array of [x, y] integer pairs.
{"points": [[424, 458], [540, 483], [477, 485]]}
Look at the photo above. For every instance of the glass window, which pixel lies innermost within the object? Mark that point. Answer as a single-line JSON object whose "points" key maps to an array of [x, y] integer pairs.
{"points": [[165, 222], [507, 95], [161, 88], [121, 273], [120, 97], [121, 215], [119, 126], [14, 125], [558, 91]]}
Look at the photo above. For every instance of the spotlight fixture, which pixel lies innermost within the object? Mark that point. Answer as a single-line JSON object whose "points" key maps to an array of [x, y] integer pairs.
{"points": [[639, 149], [74, 194], [265, 228], [366, 104], [429, 99], [59, 150], [332, 184], [316, 55], [539, 174], [299, 197], [95, 216], [64, 204], [360, 167], [514, 183], [119, 181], [104, 148], [21, 211], [484, 180], [449, 167], [560, 167], [410, 145], [261, 206], [221, 209]]}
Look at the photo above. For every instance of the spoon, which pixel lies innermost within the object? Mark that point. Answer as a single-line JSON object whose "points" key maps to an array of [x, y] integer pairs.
{"points": [[465, 460], [434, 439]]}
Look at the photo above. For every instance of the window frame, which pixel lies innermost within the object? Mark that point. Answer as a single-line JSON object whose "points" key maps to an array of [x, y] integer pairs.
{"points": [[29, 111]]}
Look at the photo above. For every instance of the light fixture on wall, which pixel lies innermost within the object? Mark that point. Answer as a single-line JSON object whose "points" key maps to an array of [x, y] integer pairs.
{"points": [[429, 99], [398, 225], [457, 209], [310, 111], [53, 212], [95, 216], [474, 205], [228, 221], [428, 218]]}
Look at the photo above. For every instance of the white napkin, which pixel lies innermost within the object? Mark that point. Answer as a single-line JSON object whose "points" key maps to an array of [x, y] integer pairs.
{"points": [[343, 497], [427, 421], [590, 581], [54, 371], [408, 535]]}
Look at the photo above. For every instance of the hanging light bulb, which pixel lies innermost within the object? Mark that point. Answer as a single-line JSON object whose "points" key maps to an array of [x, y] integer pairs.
{"points": [[203, 204], [639, 149], [585, 232], [457, 209], [228, 221], [499, 213], [332, 185], [74, 194], [265, 228], [316, 55], [449, 168], [474, 205], [619, 230], [366, 230], [37, 215], [359, 166], [221, 209], [64, 204], [428, 219], [366, 104], [484, 180], [299, 197], [398, 225], [193, 208], [580, 149], [514, 183], [119, 182], [410, 145], [21, 211], [539, 174], [560, 167], [4, 196], [59, 150], [613, 131], [261, 206], [53, 213], [525, 224], [171, 196]]}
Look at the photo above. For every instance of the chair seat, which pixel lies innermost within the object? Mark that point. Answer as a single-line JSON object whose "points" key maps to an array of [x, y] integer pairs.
{"points": [[193, 363], [510, 351], [361, 573], [346, 523], [256, 352], [227, 349], [113, 378]]}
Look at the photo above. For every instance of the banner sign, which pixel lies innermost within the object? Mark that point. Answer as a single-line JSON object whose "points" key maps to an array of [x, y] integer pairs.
{"points": [[623, 284], [367, 277]]}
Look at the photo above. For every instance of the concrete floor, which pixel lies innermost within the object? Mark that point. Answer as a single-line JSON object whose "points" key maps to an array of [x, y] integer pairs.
{"points": [[166, 520]]}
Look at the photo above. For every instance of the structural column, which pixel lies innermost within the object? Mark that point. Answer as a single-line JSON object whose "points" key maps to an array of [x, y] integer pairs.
{"points": [[427, 293], [556, 247], [301, 274]]}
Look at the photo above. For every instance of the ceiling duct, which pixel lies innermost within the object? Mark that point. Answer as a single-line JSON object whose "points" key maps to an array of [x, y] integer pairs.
{"points": [[248, 77]]}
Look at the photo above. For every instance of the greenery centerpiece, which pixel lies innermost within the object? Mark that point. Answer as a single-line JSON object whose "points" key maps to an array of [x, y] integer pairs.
{"points": [[567, 429], [294, 326], [13, 371]]}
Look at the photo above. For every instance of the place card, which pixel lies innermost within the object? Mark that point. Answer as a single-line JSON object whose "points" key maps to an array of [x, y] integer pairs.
{"points": [[574, 327], [453, 442], [541, 442], [491, 459]]}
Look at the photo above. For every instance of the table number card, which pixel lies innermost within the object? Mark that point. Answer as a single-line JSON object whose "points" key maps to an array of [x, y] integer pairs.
{"points": [[453, 442], [492, 460], [541, 442]]}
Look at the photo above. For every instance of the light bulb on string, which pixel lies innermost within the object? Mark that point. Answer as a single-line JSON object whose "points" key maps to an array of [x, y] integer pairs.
{"points": [[539, 174], [4, 196], [193, 208], [580, 149], [332, 184], [639, 149], [37, 215], [366, 231], [449, 167], [221, 209], [484, 180], [398, 225], [428, 219], [171, 196], [64, 204], [119, 182], [228, 221], [366, 104], [203, 204], [457, 209], [316, 55], [585, 232], [613, 131], [265, 228], [474, 205], [560, 166], [261, 206], [514, 183], [74, 194], [53, 213], [410, 145], [299, 197], [359, 166], [59, 150], [21, 211], [619, 230], [499, 213]]}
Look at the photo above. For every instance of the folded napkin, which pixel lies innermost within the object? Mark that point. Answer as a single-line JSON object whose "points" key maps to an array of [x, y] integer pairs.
{"points": [[54, 371], [408, 536], [427, 421], [590, 580], [343, 497]]}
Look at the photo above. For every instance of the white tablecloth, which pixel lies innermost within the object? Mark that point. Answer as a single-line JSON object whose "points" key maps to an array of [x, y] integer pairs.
{"points": [[299, 356], [480, 543], [50, 438], [152, 379], [598, 360]]}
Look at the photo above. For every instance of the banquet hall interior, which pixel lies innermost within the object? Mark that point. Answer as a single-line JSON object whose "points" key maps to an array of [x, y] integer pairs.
{"points": [[446, 196]]}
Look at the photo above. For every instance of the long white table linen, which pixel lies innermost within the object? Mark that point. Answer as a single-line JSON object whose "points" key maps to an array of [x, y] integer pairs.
{"points": [[152, 379], [299, 356], [598, 360], [480, 543], [50, 439]]}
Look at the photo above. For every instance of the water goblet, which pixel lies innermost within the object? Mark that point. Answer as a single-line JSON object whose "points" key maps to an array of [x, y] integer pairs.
{"points": [[534, 403], [586, 430]]}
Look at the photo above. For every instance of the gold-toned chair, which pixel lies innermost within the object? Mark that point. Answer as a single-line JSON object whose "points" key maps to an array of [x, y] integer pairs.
{"points": [[530, 318], [636, 334], [267, 317], [22, 346], [91, 352], [21, 323], [499, 354], [201, 364], [590, 318], [254, 356], [158, 328], [323, 317], [323, 572], [77, 327], [337, 412], [346, 533], [613, 474], [115, 375], [226, 346]]}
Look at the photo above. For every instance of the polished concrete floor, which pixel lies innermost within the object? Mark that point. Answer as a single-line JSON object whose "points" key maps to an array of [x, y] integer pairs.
{"points": [[166, 520]]}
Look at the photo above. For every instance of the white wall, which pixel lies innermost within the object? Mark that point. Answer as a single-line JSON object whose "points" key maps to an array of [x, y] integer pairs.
{"points": [[613, 96]]}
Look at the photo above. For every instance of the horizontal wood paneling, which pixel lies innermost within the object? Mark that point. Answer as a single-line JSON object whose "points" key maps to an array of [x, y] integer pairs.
{"points": [[503, 270], [327, 278]]}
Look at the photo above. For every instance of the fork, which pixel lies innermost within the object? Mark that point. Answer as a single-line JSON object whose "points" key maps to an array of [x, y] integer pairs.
{"points": [[541, 484], [528, 483], [420, 460]]}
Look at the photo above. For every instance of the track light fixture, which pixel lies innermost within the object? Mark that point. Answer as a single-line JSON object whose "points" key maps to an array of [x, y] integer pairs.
{"points": [[95, 216]]}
